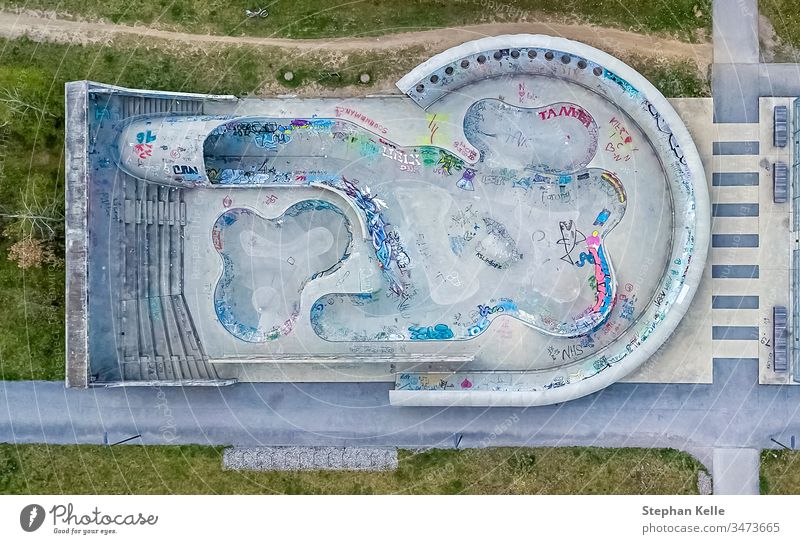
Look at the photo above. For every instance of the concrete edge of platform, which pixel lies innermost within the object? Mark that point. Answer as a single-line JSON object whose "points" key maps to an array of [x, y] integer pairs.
{"points": [[76, 194]]}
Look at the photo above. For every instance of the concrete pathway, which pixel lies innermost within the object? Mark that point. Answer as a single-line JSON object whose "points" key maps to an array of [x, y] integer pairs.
{"points": [[735, 31], [739, 78], [779, 79], [733, 412], [736, 471], [734, 77]]}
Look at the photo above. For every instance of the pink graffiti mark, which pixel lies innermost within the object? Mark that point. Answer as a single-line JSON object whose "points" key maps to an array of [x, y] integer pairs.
{"points": [[226, 202], [620, 144], [568, 110], [342, 111], [216, 237], [288, 325], [466, 384], [143, 151], [601, 275], [624, 135], [465, 151]]}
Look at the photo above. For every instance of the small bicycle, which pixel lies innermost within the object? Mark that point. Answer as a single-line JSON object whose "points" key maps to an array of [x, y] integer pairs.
{"points": [[253, 13]]}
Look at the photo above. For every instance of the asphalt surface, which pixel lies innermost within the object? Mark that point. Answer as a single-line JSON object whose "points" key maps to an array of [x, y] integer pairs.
{"points": [[735, 73], [731, 412]]}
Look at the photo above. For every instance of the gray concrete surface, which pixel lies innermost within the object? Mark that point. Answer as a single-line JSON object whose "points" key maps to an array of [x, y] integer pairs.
{"points": [[735, 72], [732, 412], [734, 332], [736, 89], [77, 372], [734, 271], [735, 302], [734, 240], [735, 148], [779, 79], [735, 471], [735, 31], [734, 210], [734, 179]]}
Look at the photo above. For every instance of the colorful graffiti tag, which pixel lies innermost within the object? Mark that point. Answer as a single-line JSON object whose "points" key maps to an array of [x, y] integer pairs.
{"points": [[486, 238], [534, 193]]}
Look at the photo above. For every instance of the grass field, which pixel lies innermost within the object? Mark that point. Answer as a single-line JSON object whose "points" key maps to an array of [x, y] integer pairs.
{"points": [[32, 322], [780, 472], [41, 469], [684, 19], [785, 18]]}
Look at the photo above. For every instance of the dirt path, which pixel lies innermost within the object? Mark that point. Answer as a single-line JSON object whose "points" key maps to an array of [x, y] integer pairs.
{"points": [[42, 27]]}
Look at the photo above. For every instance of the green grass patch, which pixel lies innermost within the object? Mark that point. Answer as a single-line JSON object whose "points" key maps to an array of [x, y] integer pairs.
{"points": [[674, 79], [41, 469], [780, 472], [684, 19], [785, 18], [32, 321]]}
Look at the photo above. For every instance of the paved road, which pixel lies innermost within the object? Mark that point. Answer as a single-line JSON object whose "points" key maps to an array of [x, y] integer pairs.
{"points": [[735, 31], [734, 78], [733, 412], [739, 77]]}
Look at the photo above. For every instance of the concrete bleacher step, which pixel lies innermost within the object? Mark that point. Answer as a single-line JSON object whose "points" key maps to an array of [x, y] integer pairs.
{"points": [[157, 337], [140, 105], [197, 367], [132, 369], [158, 367], [176, 261], [128, 330]]}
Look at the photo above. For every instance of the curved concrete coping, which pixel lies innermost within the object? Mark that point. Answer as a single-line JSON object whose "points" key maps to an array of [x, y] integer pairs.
{"points": [[688, 187]]}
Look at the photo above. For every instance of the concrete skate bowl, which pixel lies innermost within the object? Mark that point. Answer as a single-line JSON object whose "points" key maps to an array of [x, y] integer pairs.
{"points": [[484, 243], [568, 206], [266, 264], [637, 125]]}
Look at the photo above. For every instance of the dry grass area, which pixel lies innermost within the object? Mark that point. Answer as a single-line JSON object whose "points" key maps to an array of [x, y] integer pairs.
{"points": [[687, 20], [780, 472], [784, 16], [43, 469]]}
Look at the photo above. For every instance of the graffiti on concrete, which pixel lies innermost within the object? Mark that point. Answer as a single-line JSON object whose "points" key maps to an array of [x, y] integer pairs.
{"points": [[246, 299], [514, 219], [437, 332]]}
